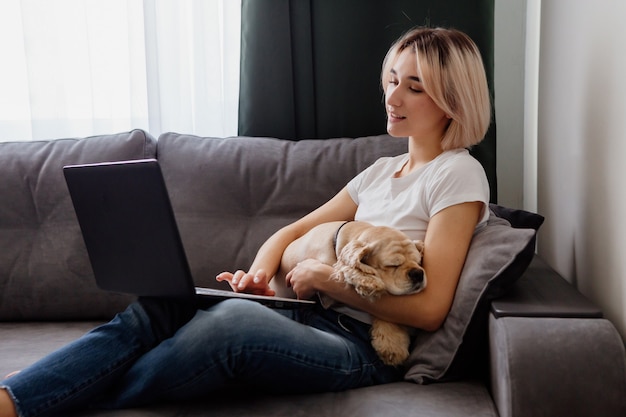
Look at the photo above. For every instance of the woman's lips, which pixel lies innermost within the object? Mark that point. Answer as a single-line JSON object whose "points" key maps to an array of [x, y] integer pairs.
{"points": [[394, 118]]}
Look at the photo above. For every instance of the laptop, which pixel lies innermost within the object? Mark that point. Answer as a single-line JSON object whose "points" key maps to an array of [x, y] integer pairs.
{"points": [[131, 235]]}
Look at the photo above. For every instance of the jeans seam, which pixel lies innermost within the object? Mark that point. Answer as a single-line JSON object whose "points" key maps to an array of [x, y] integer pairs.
{"points": [[134, 349], [76, 390]]}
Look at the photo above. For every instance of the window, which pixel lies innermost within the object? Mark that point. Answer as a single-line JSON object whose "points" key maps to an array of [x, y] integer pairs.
{"points": [[73, 68]]}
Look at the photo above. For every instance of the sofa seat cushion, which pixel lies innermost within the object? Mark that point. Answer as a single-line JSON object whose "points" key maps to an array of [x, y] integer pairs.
{"points": [[44, 268], [402, 399], [24, 343]]}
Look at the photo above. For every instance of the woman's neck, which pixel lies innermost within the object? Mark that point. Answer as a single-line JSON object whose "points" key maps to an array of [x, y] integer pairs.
{"points": [[420, 153]]}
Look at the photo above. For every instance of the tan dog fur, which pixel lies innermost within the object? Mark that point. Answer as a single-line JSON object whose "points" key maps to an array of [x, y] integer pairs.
{"points": [[373, 259]]}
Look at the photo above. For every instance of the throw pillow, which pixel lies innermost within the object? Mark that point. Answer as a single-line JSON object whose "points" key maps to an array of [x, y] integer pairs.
{"points": [[498, 255]]}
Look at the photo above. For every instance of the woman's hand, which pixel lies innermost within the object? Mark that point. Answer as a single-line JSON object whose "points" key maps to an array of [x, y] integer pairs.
{"points": [[306, 277], [241, 281], [268, 258]]}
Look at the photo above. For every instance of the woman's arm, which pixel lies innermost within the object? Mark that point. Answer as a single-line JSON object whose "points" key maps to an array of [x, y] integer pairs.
{"points": [[446, 244], [267, 260]]}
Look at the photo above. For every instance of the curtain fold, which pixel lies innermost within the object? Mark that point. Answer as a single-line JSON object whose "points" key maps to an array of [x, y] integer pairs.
{"points": [[85, 67], [311, 68], [276, 54]]}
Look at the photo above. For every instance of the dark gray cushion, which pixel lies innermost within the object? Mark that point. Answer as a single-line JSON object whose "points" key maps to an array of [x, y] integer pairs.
{"points": [[230, 194], [499, 253], [44, 269]]}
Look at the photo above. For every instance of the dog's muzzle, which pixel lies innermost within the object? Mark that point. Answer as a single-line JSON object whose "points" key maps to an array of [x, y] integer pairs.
{"points": [[416, 276]]}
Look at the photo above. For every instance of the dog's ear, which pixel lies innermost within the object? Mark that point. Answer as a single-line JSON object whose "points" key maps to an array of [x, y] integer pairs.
{"points": [[352, 269], [355, 255], [420, 246]]}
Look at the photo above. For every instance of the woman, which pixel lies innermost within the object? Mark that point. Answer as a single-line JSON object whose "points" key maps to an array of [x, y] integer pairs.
{"points": [[436, 94]]}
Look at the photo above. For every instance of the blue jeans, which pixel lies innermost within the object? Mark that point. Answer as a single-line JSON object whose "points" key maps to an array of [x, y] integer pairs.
{"points": [[133, 360]]}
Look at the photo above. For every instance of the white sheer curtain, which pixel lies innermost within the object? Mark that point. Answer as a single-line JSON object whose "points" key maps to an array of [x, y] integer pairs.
{"points": [[73, 68]]}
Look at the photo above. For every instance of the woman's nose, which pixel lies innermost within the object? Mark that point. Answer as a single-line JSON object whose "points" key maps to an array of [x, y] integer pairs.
{"points": [[392, 97]]}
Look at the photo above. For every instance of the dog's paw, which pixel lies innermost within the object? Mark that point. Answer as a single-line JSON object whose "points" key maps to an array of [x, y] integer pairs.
{"points": [[367, 286], [390, 355], [370, 288], [391, 342]]}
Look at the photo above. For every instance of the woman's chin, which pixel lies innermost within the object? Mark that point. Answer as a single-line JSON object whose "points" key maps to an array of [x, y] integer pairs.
{"points": [[394, 131]]}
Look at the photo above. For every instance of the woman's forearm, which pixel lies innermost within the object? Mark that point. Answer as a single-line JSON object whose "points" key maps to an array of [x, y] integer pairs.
{"points": [[415, 310], [270, 253]]}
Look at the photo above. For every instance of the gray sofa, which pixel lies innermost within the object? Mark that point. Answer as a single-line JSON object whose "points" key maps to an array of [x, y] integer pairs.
{"points": [[519, 340]]}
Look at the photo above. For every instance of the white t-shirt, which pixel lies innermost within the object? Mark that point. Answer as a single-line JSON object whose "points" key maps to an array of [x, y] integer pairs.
{"points": [[407, 203]]}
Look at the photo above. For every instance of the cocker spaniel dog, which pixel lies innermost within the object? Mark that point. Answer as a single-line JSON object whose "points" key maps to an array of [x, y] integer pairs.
{"points": [[375, 260]]}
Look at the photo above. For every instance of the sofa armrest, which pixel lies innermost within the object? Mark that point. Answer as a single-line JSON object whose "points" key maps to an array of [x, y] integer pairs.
{"points": [[557, 367], [552, 353], [542, 292]]}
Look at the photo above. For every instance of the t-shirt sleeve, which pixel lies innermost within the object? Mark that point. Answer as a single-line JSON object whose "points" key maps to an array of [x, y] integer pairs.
{"points": [[355, 185], [461, 180]]}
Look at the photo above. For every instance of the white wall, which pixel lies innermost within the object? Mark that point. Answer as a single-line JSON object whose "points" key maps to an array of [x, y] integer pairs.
{"points": [[560, 98], [509, 44], [581, 148]]}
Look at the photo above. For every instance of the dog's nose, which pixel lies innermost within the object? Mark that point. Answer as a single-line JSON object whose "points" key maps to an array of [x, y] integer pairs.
{"points": [[416, 276]]}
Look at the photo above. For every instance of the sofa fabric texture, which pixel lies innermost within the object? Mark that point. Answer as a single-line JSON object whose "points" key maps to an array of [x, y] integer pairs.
{"points": [[228, 196], [44, 268]]}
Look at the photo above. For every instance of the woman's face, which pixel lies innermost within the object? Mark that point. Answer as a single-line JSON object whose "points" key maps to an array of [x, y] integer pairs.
{"points": [[410, 111]]}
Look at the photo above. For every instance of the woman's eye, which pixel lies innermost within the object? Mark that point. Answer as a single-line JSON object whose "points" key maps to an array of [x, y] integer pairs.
{"points": [[416, 90]]}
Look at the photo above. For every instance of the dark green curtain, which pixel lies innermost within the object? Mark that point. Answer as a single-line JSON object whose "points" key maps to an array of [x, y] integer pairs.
{"points": [[310, 68]]}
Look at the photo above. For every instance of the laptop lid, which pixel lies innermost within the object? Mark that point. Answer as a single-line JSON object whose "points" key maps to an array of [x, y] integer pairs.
{"points": [[129, 228], [131, 235]]}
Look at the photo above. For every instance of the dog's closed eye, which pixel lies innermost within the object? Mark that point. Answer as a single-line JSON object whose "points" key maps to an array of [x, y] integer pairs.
{"points": [[395, 262]]}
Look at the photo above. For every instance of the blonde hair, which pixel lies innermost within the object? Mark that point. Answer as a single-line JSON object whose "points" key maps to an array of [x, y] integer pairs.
{"points": [[453, 75]]}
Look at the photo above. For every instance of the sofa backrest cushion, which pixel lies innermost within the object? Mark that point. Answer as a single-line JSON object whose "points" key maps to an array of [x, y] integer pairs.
{"points": [[44, 268], [229, 195]]}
